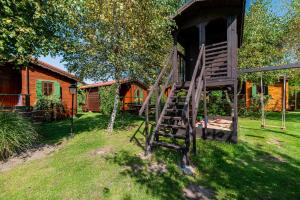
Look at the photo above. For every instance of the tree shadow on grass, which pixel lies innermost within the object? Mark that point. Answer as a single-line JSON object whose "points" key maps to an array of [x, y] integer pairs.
{"points": [[165, 185], [248, 173], [53, 132]]}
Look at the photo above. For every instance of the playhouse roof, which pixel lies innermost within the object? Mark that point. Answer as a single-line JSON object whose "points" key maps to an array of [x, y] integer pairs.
{"points": [[108, 83]]}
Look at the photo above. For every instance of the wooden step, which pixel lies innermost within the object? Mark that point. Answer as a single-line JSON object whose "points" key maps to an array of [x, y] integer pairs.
{"points": [[174, 110], [172, 117], [172, 126], [167, 145], [176, 103], [169, 135]]}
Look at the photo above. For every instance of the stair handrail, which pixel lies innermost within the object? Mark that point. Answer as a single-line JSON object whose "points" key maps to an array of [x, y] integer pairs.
{"points": [[160, 118], [201, 80], [153, 88], [192, 83]]}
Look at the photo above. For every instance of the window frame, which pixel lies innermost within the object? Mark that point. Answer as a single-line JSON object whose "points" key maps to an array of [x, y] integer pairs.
{"points": [[46, 85]]}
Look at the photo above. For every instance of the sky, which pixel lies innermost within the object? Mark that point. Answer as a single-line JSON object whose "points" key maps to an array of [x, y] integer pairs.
{"points": [[278, 6]]}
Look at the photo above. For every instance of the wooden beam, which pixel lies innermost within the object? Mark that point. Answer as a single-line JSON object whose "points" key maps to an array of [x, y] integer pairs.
{"points": [[269, 68]]}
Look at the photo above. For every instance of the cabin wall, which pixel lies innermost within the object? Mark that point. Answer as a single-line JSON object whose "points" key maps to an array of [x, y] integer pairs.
{"points": [[129, 97], [10, 83], [93, 100], [275, 91], [36, 73]]}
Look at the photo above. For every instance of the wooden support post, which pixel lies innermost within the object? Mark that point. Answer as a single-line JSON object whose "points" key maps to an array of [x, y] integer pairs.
{"points": [[146, 129], [205, 108], [194, 116], [283, 127], [175, 59], [27, 97], [157, 110], [235, 112], [263, 117]]}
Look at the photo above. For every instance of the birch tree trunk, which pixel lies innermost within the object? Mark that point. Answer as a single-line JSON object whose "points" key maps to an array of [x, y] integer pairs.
{"points": [[110, 127]]}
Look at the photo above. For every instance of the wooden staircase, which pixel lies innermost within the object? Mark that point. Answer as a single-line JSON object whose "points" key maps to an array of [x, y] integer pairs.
{"points": [[175, 124]]}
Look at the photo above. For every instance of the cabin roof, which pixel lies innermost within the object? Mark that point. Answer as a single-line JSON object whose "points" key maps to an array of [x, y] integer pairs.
{"points": [[54, 69], [109, 83]]}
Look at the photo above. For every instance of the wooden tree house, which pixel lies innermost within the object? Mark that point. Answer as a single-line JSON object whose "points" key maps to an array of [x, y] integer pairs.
{"points": [[209, 33]]}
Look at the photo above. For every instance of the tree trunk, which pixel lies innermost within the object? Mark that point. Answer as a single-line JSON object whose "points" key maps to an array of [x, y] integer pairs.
{"points": [[110, 127]]}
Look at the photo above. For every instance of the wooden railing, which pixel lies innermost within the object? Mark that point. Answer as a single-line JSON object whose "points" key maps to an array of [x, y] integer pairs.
{"points": [[13, 100], [216, 59], [156, 85]]}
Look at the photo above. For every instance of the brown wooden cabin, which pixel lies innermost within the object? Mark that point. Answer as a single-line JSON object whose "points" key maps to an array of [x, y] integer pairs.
{"points": [[20, 87], [132, 95], [275, 91]]}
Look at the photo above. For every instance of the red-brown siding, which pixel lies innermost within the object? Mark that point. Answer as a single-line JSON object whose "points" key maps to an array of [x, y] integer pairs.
{"points": [[37, 73]]}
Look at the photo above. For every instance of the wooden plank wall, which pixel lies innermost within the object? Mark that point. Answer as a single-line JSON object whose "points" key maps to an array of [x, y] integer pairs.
{"points": [[36, 73]]}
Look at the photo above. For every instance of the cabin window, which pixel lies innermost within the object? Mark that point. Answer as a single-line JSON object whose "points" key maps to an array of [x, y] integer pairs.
{"points": [[47, 88]]}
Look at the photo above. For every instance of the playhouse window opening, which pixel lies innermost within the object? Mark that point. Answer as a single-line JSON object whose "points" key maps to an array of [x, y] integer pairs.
{"points": [[216, 31]]}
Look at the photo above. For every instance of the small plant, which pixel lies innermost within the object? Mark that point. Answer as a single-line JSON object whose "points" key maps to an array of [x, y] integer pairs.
{"points": [[51, 106], [16, 134]]}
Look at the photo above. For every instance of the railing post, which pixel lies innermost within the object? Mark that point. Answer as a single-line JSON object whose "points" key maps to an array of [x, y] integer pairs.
{"points": [[146, 129], [194, 115], [175, 63]]}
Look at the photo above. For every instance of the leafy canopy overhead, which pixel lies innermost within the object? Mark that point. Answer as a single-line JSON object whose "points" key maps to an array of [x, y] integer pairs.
{"points": [[263, 42], [33, 28]]}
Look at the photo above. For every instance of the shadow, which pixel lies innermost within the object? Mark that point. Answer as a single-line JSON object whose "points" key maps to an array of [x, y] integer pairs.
{"points": [[255, 136], [164, 185], [54, 132], [263, 129], [249, 173]]}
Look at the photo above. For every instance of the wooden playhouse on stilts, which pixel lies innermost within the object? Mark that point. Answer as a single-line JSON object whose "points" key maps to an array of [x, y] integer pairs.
{"points": [[203, 58]]}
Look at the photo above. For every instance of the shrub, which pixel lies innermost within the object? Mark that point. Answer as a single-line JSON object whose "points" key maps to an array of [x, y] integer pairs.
{"points": [[51, 107], [107, 99], [81, 99], [16, 134]]}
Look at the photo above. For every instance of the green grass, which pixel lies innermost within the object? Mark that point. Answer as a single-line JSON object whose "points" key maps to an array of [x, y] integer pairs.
{"points": [[265, 164]]}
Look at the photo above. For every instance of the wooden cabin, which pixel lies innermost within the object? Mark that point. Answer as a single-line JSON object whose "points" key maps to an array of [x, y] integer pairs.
{"points": [[275, 91], [204, 58], [21, 86], [132, 95]]}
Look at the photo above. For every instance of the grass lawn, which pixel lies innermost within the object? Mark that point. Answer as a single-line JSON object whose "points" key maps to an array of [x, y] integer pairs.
{"points": [[265, 164]]}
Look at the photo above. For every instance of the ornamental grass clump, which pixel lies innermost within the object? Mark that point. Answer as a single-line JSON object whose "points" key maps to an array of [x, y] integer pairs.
{"points": [[16, 134]]}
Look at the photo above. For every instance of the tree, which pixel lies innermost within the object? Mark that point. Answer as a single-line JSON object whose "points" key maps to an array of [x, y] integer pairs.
{"points": [[32, 28], [263, 42], [120, 39]]}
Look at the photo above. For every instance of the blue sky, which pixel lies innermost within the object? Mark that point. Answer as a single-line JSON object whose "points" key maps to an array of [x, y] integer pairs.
{"points": [[278, 6]]}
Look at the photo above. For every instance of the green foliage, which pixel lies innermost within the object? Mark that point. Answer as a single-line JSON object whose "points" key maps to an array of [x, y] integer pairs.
{"points": [[254, 111], [16, 134], [81, 98], [107, 95], [49, 103], [263, 42], [33, 28], [216, 104]]}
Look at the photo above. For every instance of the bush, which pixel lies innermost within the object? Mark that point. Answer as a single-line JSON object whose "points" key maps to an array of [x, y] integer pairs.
{"points": [[107, 99], [51, 107], [254, 111], [16, 134]]}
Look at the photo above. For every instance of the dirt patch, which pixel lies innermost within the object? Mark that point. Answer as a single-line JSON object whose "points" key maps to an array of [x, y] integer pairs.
{"points": [[196, 192], [30, 155], [144, 157], [102, 151], [157, 168], [275, 142], [275, 159]]}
